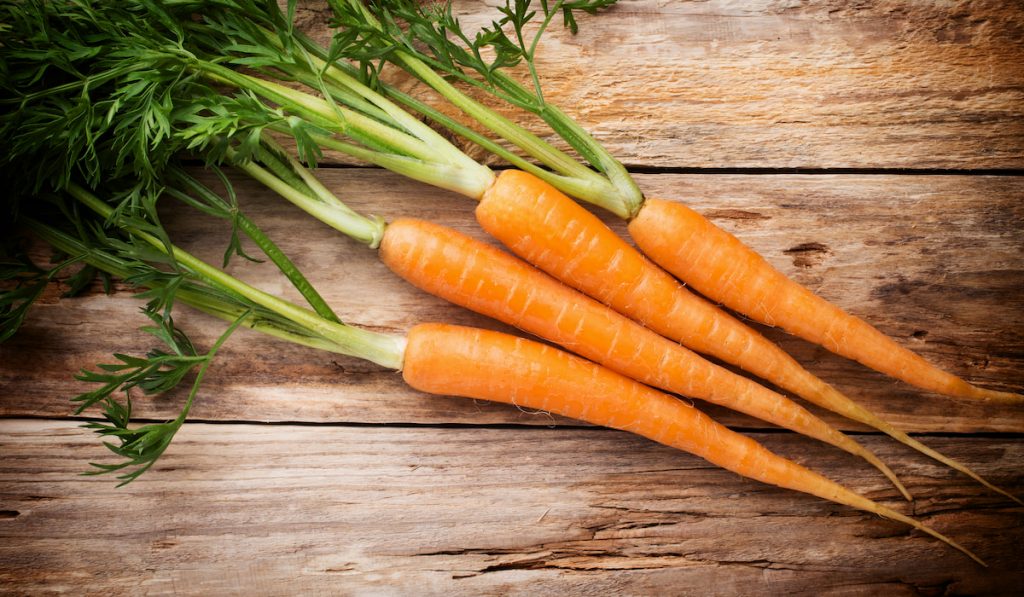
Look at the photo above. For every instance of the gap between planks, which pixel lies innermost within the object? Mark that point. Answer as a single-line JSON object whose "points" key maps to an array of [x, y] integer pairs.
{"points": [[569, 425]]}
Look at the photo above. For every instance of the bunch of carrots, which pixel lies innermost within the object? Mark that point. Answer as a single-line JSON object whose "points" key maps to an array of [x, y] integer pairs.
{"points": [[111, 96]]}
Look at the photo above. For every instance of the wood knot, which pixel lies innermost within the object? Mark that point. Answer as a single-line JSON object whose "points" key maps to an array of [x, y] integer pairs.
{"points": [[808, 254]]}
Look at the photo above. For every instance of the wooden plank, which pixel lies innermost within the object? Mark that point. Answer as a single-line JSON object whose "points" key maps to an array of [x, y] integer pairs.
{"points": [[323, 509], [818, 84], [935, 261]]}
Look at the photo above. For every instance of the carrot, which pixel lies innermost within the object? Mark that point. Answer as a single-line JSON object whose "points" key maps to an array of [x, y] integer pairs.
{"points": [[546, 228], [487, 280], [722, 268], [447, 359]]}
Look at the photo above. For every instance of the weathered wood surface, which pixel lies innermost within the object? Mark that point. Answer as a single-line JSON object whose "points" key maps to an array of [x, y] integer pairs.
{"points": [[328, 499], [383, 510], [935, 261], [767, 84]]}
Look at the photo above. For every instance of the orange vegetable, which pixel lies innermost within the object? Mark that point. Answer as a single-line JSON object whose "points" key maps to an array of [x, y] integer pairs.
{"points": [[722, 268], [487, 280], [447, 359], [546, 228]]}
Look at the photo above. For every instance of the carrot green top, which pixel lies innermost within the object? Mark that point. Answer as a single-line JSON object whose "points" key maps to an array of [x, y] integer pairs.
{"points": [[143, 81], [428, 41], [136, 249]]}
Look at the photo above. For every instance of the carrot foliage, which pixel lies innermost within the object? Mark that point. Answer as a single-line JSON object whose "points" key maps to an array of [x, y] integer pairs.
{"points": [[432, 31], [159, 371], [87, 231], [429, 42], [101, 99]]}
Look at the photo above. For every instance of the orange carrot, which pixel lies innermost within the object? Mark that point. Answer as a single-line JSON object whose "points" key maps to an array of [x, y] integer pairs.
{"points": [[446, 359], [484, 279], [722, 268], [546, 228]]}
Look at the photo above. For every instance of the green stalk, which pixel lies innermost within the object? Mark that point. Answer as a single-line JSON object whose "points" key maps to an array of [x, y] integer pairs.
{"points": [[313, 55], [280, 169], [402, 143], [472, 184], [349, 122], [194, 297], [197, 382], [342, 95], [592, 187], [619, 193], [579, 138], [399, 117], [310, 341], [272, 153], [418, 162], [371, 102], [320, 112], [569, 185], [495, 122], [309, 107], [384, 349], [501, 126], [273, 159], [264, 242], [367, 231], [287, 267]]}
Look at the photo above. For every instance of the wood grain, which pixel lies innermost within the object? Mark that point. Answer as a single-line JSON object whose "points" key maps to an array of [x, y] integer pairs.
{"points": [[371, 510], [935, 261], [766, 84], [360, 486]]}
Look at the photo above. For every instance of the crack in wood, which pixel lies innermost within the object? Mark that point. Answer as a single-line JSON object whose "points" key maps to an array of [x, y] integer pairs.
{"points": [[727, 515], [587, 560], [736, 214]]}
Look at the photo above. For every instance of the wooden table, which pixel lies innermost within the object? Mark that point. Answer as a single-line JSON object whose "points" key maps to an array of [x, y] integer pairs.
{"points": [[872, 150]]}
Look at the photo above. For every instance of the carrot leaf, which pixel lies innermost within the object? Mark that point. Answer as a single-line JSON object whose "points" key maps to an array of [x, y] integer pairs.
{"points": [[161, 370]]}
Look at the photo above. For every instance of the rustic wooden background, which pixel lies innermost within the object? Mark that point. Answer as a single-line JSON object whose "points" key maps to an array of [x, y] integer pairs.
{"points": [[874, 150]]}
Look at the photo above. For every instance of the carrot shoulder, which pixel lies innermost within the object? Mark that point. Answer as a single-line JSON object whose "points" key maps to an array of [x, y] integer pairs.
{"points": [[474, 363], [722, 268], [487, 280]]}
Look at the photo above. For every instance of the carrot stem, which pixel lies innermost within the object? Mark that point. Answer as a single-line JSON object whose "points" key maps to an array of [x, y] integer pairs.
{"points": [[194, 296], [383, 349]]}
